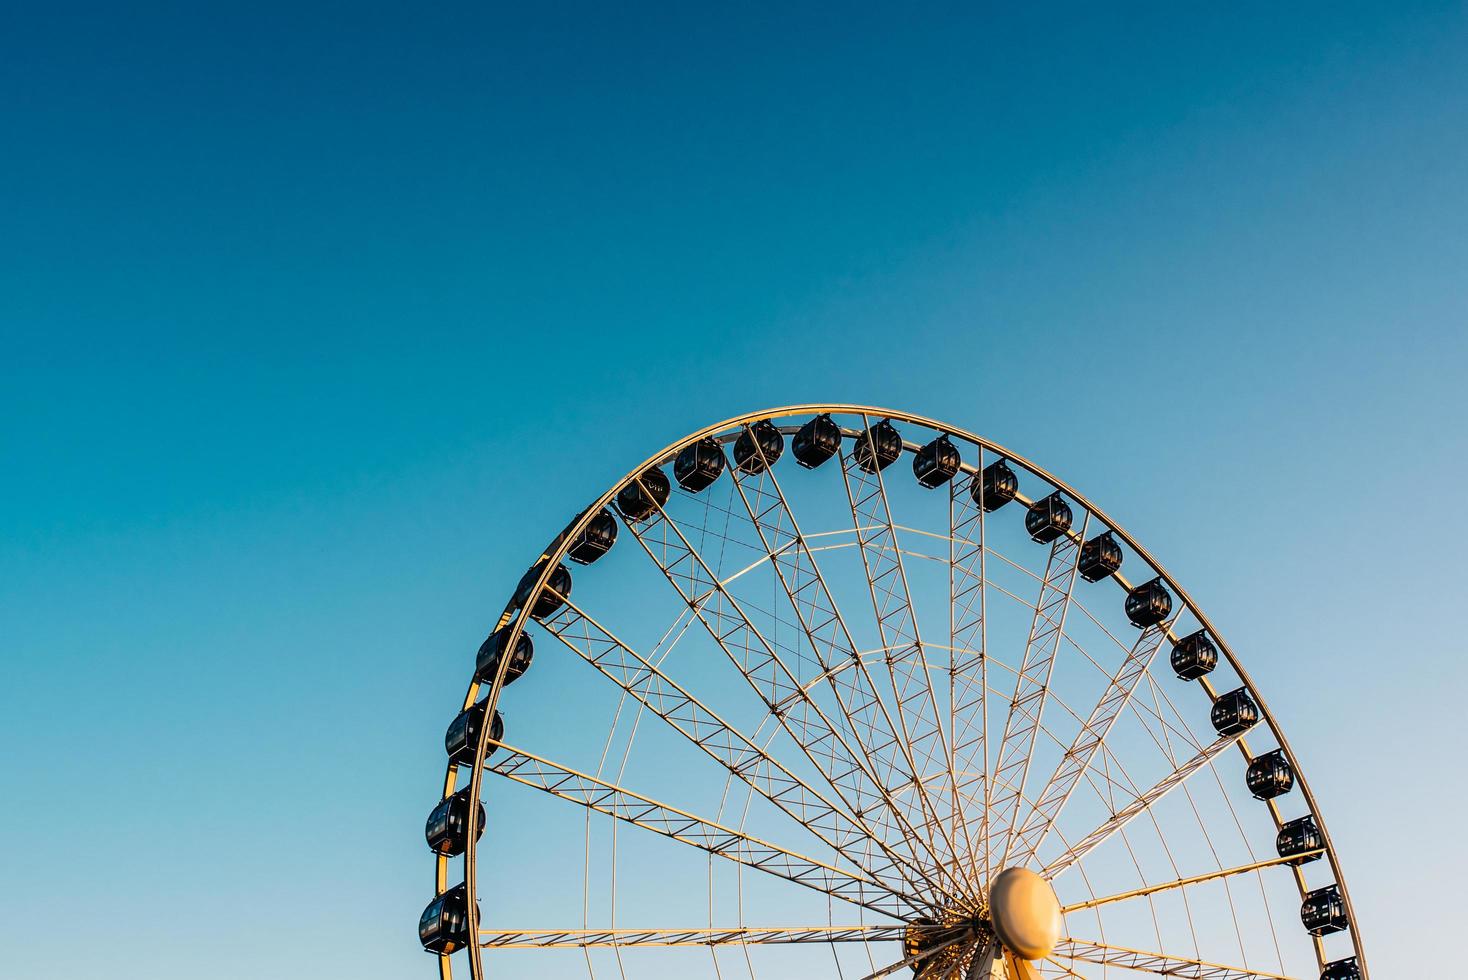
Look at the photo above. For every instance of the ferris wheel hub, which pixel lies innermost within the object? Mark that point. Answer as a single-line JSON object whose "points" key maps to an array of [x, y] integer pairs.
{"points": [[1025, 913]]}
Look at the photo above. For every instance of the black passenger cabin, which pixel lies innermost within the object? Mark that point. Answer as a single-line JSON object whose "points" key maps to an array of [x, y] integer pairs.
{"points": [[1324, 911], [462, 738], [878, 446], [444, 925], [758, 447], [936, 463], [1100, 557], [1194, 656], [1048, 518], [595, 540], [1270, 775], [551, 597], [641, 498], [1234, 713], [1346, 969], [817, 441], [1299, 837], [491, 650], [1148, 604], [447, 829], [996, 486], [698, 465], [557, 590]]}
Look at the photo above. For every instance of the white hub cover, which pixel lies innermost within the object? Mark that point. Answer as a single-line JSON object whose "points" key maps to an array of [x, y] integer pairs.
{"points": [[1025, 913]]}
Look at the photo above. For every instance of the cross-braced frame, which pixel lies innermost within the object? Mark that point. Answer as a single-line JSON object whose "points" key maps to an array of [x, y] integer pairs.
{"points": [[890, 694]]}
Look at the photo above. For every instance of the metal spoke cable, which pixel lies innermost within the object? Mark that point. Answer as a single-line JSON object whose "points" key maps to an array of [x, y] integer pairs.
{"points": [[870, 723], [710, 733], [1032, 686], [916, 704], [763, 668], [526, 768]]}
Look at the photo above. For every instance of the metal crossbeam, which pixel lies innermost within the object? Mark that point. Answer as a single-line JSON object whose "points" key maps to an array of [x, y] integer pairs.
{"points": [[922, 962], [783, 689], [1192, 880], [728, 746], [924, 742], [744, 936], [1100, 954], [968, 703], [1138, 805], [1092, 736], [607, 798], [1032, 684], [844, 668]]}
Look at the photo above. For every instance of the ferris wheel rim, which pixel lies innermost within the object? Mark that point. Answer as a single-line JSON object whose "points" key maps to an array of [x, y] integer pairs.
{"points": [[515, 616]]}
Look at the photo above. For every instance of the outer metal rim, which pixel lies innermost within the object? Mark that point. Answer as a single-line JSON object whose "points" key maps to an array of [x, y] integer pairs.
{"points": [[514, 619]]}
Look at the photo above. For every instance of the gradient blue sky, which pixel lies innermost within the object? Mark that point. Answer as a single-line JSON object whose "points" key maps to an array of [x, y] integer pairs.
{"points": [[318, 320]]}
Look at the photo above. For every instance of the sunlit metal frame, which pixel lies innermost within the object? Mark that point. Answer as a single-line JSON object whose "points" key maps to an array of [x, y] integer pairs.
{"points": [[513, 620]]}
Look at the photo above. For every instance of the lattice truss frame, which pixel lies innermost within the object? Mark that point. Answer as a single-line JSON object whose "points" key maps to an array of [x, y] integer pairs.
{"points": [[915, 761]]}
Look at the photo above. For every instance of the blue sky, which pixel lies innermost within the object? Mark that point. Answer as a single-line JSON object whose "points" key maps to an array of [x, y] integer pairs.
{"points": [[317, 323]]}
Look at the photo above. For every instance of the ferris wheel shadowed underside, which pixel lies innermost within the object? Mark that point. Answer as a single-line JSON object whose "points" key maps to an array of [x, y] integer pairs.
{"points": [[895, 704]]}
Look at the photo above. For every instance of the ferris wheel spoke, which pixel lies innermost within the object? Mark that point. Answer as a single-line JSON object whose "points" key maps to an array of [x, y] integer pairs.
{"points": [[1145, 708], [1032, 685], [916, 701], [916, 960], [1063, 968], [775, 683], [740, 936], [1139, 804], [1198, 879], [1091, 737], [524, 767], [1105, 789], [844, 669], [1162, 964], [1137, 703], [1109, 785], [724, 743], [968, 703]]}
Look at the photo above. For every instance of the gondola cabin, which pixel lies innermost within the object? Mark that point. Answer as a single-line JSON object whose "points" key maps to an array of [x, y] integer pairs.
{"points": [[641, 498], [1300, 837], [1347, 969], [996, 486], [698, 465], [1148, 604], [595, 539], [936, 463], [758, 447], [487, 662], [878, 447], [1234, 713], [1048, 518], [551, 598], [1100, 557], [1324, 911], [444, 926], [1270, 775], [447, 829], [462, 737], [817, 441], [1194, 656]]}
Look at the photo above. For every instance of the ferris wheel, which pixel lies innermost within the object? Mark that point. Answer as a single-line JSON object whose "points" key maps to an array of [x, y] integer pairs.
{"points": [[844, 691]]}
